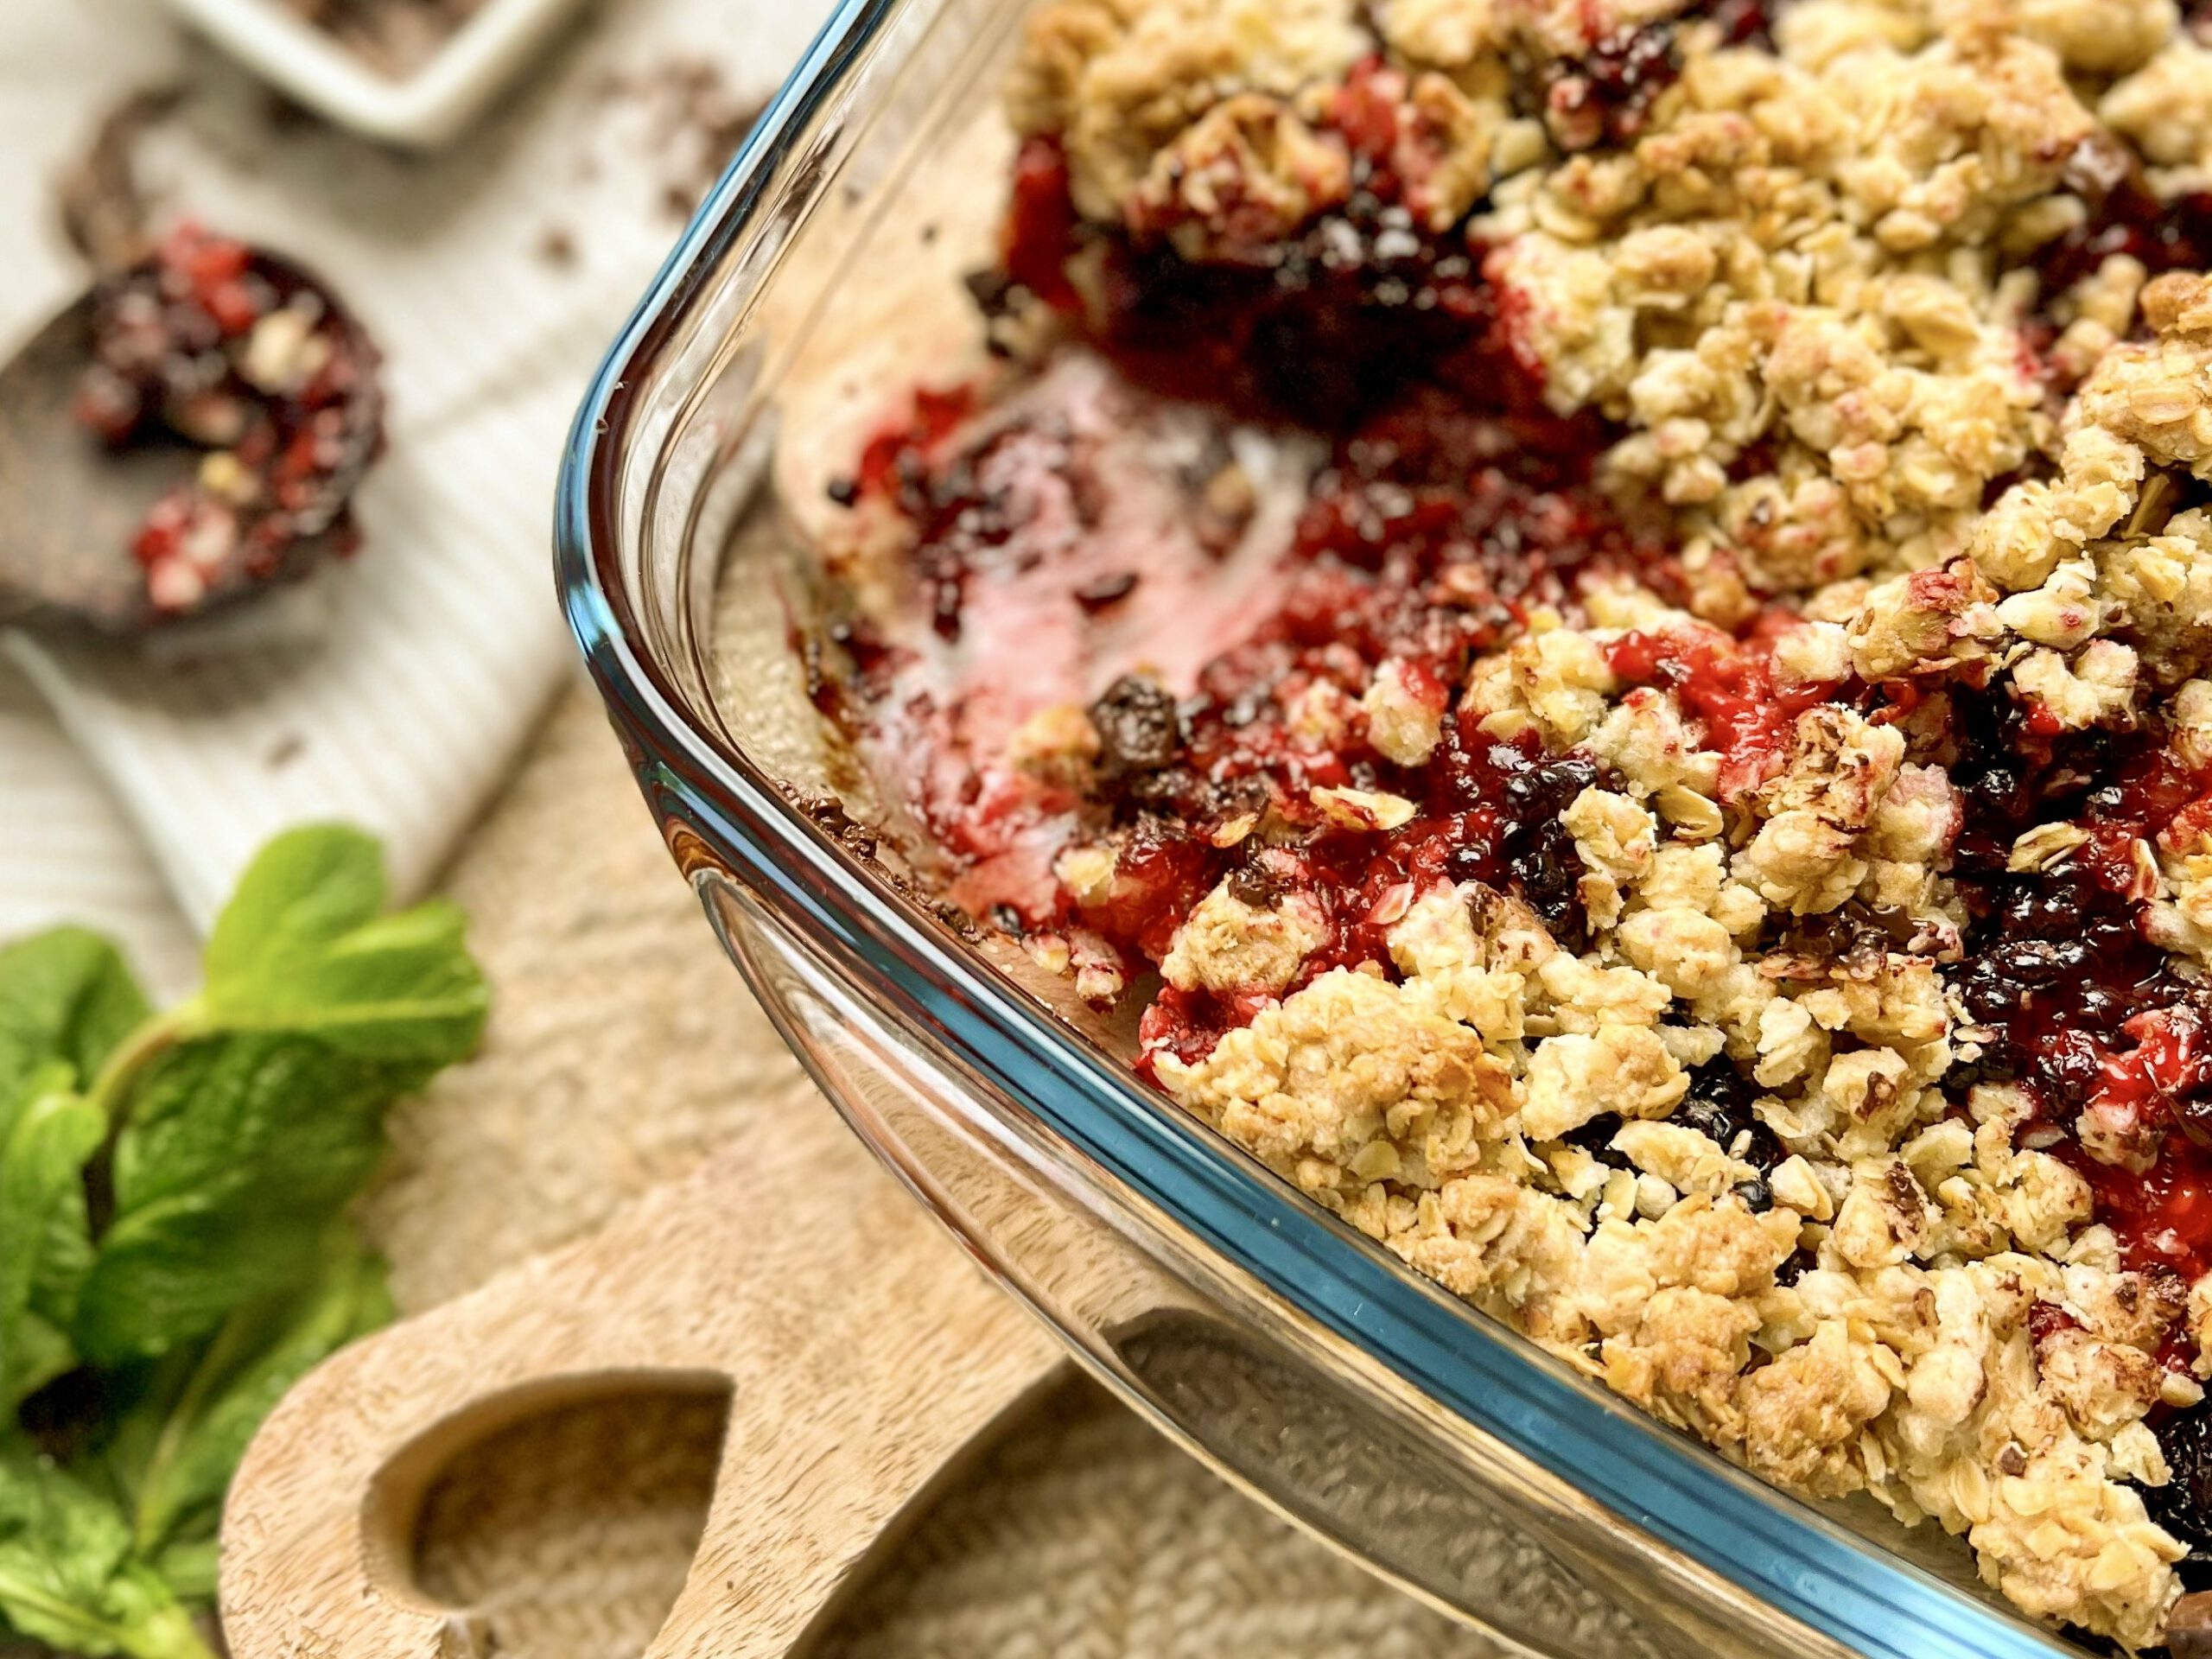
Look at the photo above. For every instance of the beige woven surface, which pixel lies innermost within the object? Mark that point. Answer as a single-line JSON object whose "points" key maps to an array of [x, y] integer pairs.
{"points": [[622, 1048]]}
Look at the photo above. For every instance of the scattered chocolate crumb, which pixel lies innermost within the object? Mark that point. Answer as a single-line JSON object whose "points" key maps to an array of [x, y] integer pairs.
{"points": [[998, 298], [929, 234], [285, 750], [696, 123], [557, 246], [993, 291], [843, 490], [284, 113]]}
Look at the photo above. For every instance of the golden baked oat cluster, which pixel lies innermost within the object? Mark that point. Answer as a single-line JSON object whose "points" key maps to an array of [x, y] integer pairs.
{"points": [[1696, 829]]}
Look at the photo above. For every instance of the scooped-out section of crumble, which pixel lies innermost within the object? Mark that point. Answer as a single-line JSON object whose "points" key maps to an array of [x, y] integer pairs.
{"points": [[1603, 612]]}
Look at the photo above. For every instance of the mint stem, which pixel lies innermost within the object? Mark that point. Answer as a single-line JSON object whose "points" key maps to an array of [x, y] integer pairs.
{"points": [[156, 1511], [111, 1089], [167, 1632]]}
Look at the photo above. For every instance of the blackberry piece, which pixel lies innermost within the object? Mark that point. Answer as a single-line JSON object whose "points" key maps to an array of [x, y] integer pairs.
{"points": [[1253, 883], [1538, 847], [1720, 1105], [1594, 1137], [2184, 1505], [1539, 791], [1138, 731], [1551, 877], [1997, 985]]}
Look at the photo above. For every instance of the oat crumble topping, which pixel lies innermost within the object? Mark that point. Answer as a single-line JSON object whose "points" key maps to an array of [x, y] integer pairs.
{"points": [[1700, 839]]}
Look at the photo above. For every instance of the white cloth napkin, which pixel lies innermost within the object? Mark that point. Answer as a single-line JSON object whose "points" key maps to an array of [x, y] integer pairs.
{"points": [[492, 275]]}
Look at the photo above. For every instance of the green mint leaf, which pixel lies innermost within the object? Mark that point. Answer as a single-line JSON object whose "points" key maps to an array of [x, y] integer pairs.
{"points": [[175, 1451], [46, 1139], [239, 1154], [64, 994], [237, 1128], [67, 1575], [190, 1567], [304, 888], [301, 948]]}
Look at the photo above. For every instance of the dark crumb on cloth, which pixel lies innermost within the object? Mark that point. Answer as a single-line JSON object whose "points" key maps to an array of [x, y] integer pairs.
{"points": [[695, 121]]}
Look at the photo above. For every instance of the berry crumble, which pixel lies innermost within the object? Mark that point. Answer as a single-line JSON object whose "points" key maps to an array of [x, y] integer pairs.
{"points": [[1599, 614]]}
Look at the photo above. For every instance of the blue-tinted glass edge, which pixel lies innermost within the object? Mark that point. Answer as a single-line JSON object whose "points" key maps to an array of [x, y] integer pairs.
{"points": [[1778, 1551]]}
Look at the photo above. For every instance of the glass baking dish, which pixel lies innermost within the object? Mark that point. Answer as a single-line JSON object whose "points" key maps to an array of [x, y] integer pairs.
{"points": [[1298, 1360]]}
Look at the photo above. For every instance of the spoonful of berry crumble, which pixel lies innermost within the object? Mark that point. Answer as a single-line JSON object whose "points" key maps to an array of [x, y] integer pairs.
{"points": [[188, 433]]}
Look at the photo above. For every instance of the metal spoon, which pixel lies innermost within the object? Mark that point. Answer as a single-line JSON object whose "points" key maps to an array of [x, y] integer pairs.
{"points": [[71, 505]]}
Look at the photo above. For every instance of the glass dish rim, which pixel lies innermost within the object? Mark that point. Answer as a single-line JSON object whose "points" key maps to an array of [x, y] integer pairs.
{"points": [[1650, 1477]]}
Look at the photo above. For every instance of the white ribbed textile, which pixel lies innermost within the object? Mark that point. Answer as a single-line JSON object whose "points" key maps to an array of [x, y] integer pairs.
{"points": [[442, 641]]}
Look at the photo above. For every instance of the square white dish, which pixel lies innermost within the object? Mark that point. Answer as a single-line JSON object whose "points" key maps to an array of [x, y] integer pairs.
{"points": [[418, 110]]}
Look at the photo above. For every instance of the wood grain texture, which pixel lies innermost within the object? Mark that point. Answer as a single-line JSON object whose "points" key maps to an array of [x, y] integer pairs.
{"points": [[863, 1356]]}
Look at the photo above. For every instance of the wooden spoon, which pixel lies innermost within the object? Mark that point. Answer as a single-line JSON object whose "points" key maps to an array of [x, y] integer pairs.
{"points": [[864, 1356]]}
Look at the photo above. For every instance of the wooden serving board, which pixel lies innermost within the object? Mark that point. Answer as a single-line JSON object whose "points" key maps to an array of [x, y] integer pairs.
{"points": [[864, 1357]]}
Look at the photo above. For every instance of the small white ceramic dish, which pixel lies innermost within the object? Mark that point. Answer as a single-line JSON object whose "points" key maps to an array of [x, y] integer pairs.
{"points": [[418, 110]]}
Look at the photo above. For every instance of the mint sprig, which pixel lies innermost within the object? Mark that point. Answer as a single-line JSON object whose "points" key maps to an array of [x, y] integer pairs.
{"points": [[173, 1247], [68, 1574]]}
